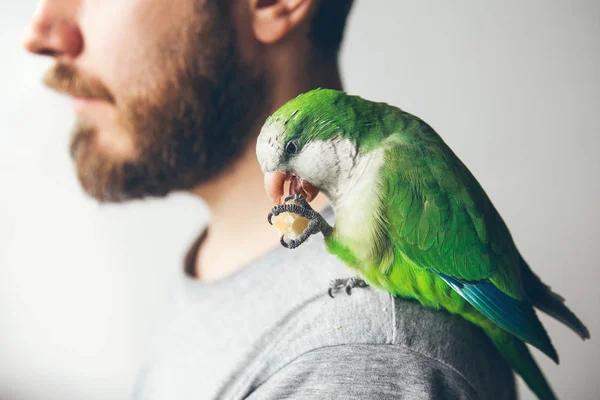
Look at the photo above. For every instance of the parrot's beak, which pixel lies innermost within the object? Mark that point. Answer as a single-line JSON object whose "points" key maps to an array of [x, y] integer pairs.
{"points": [[275, 186]]}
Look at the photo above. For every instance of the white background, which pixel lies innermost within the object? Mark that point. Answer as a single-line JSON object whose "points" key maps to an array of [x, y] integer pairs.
{"points": [[513, 87]]}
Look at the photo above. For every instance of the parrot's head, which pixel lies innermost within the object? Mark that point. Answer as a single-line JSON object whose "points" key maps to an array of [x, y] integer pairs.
{"points": [[303, 142]]}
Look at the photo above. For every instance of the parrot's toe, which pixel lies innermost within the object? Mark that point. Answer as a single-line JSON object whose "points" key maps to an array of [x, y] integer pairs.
{"points": [[300, 199], [348, 284], [308, 213]]}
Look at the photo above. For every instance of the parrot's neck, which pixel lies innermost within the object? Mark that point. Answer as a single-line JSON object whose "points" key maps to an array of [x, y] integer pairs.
{"points": [[357, 202]]}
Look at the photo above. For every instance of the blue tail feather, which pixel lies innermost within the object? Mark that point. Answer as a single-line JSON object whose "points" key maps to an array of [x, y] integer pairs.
{"points": [[512, 315]]}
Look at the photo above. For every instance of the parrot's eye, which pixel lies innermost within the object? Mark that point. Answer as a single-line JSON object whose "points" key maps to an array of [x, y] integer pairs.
{"points": [[291, 147]]}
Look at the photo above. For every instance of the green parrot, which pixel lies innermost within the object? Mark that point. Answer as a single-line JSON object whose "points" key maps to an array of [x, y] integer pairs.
{"points": [[409, 217]]}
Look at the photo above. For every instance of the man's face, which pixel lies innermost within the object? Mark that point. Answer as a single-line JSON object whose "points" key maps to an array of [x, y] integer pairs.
{"points": [[162, 98]]}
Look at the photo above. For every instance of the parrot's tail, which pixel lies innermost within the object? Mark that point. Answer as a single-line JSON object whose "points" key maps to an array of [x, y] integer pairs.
{"points": [[520, 359], [543, 298]]}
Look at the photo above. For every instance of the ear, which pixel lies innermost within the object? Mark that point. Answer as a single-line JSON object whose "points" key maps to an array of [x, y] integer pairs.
{"points": [[273, 19]]}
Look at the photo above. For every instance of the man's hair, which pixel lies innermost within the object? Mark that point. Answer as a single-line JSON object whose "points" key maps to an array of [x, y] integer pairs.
{"points": [[328, 25]]}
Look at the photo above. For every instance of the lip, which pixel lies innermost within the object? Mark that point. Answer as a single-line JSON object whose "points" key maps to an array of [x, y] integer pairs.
{"points": [[81, 103]]}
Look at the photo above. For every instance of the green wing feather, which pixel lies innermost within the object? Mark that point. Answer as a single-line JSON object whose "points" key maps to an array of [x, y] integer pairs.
{"points": [[438, 214], [441, 220]]}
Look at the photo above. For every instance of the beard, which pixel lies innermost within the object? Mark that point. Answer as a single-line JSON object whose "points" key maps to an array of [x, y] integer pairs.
{"points": [[188, 123]]}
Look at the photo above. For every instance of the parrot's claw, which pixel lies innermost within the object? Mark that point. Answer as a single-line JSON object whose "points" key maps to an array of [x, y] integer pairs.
{"points": [[292, 244], [348, 283], [283, 243]]}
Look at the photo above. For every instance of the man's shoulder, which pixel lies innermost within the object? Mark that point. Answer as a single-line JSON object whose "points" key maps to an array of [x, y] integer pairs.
{"points": [[374, 317], [394, 330]]}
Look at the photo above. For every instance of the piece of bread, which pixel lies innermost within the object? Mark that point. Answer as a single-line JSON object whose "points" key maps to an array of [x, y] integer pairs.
{"points": [[290, 225]]}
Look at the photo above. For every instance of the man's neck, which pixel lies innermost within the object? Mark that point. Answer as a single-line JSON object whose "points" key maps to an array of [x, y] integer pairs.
{"points": [[238, 232]]}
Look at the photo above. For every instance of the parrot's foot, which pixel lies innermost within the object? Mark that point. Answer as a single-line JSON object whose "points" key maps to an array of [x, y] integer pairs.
{"points": [[348, 283], [317, 222]]}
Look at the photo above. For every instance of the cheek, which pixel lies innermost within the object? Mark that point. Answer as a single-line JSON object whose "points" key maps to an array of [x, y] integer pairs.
{"points": [[127, 41], [317, 164]]}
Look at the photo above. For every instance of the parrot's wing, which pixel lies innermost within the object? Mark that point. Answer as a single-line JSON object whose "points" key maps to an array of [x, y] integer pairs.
{"points": [[439, 216], [514, 316]]}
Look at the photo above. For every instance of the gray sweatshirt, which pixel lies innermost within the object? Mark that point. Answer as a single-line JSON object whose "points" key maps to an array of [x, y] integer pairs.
{"points": [[270, 331]]}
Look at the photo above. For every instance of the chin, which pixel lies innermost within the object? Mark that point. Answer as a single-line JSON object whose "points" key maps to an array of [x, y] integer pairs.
{"points": [[115, 143]]}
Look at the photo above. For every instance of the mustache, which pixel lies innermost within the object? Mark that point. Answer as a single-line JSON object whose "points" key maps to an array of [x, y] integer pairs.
{"points": [[65, 78]]}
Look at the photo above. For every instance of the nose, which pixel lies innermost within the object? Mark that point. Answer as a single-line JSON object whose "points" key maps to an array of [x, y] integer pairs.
{"points": [[53, 30]]}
